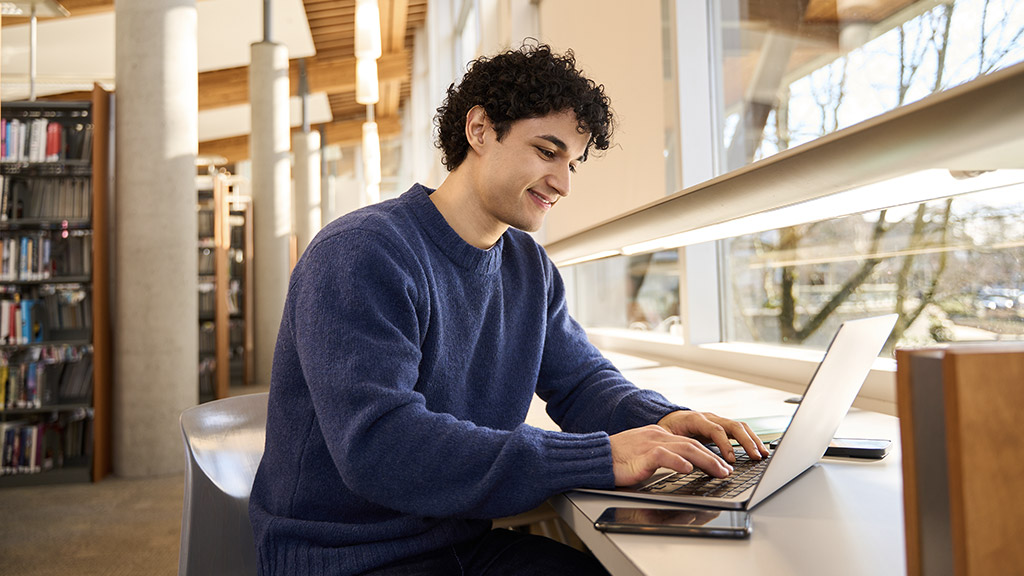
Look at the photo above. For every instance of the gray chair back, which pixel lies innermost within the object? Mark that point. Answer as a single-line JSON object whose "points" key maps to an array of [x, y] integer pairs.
{"points": [[223, 446]]}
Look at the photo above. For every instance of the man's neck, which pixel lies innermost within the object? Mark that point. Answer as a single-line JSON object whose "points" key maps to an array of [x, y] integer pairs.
{"points": [[459, 203]]}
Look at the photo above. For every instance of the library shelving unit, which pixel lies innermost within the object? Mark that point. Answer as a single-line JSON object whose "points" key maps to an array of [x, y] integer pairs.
{"points": [[55, 361], [240, 281], [213, 245], [225, 284]]}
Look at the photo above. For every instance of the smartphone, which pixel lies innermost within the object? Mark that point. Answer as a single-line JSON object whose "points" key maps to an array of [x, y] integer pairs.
{"points": [[853, 447], [677, 521]]}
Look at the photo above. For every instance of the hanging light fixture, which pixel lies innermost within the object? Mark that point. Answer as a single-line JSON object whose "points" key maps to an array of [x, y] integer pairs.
{"points": [[367, 50], [367, 87], [368, 43], [371, 160]]}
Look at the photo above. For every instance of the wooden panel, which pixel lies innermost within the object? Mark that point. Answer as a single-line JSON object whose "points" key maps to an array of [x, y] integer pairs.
{"points": [[984, 393], [863, 11], [396, 28], [221, 240], [390, 92], [346, 132], [101, 344], [957, 405], [230, 87]]}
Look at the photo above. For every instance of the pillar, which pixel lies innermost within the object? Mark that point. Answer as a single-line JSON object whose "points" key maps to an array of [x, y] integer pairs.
{"points": [[271, 194], [156, 339], [308, 209]]}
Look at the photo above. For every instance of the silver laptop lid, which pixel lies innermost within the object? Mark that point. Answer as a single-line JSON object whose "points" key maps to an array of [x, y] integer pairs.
{"points": [[826, 401]]}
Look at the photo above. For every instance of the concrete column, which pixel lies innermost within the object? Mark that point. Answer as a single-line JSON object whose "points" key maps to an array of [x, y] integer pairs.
{"points": [[308, 209], [271, 196], [328, 202], [156, 332]]}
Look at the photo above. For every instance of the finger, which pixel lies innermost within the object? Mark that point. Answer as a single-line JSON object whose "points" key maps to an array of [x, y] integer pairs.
{"points": [[665, 457], [718, 434], [701, 457], [759, 445], [743, 434]]}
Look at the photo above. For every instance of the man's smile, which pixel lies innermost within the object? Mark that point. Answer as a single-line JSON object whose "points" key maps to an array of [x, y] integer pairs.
{"points": [[541, 199]]}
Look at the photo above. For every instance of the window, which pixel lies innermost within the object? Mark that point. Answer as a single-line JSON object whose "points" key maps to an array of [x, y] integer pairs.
{"points": [[789, 77], [952, 269], [941, 241]]}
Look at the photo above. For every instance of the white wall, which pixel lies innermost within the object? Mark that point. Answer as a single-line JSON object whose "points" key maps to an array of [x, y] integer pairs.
{"points": [[617, 44]]}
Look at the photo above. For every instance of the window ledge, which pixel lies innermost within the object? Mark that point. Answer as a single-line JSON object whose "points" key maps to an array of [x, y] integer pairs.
{"points": [[782, 367]]}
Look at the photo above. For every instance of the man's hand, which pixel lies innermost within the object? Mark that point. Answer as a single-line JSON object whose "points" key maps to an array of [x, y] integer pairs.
{"points": [[638, 453], [708, 427]]}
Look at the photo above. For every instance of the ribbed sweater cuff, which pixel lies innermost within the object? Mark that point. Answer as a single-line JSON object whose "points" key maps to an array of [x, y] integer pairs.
{"points": [[655, 409], [577, 460]]}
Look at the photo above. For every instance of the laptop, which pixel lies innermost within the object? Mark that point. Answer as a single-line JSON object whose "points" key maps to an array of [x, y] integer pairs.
{"points": [[825, 403]]}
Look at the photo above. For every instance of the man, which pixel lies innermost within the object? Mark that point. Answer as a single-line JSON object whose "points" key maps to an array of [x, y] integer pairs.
{"points": [[415, 334]]}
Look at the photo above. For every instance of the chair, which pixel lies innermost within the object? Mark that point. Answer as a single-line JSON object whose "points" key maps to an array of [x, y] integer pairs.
{"points": [[223, 445]]}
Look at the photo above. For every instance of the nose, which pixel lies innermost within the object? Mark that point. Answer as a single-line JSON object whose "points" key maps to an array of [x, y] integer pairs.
{"points": [[561, 180]]}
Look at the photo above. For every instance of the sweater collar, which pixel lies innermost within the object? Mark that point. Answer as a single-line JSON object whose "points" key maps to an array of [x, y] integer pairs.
{"points": [[448, 240]]}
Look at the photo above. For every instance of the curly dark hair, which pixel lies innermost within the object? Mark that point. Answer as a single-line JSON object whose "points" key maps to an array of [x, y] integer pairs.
{"points": [[529, 82]]}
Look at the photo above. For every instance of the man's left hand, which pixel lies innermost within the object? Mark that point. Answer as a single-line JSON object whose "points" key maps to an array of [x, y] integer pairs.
{"points": [[707, 427]]}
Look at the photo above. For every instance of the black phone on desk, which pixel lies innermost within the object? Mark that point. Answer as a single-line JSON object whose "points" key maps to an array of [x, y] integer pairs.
{"points": [[677, 521], [873, 448]]}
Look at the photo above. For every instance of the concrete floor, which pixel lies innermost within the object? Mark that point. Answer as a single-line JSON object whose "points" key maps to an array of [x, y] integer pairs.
{"points": [[114, 527]]}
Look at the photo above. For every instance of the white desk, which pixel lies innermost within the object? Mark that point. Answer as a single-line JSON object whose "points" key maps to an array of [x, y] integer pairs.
{"points": [[841, 517]]}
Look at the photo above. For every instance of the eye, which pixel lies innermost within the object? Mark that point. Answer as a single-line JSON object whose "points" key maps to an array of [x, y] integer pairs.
{"points": [[572, 168], [546, 153]]}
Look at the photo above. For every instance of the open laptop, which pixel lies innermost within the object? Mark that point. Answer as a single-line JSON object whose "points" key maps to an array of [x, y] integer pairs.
{"points": [[825, 403]]}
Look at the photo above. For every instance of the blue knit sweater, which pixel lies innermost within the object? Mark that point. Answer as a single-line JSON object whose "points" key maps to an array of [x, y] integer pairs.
{"points": [[405, 364]]}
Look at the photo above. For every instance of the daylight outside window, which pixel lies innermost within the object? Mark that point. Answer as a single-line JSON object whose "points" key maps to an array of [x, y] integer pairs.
{"points": [[951, 266]]}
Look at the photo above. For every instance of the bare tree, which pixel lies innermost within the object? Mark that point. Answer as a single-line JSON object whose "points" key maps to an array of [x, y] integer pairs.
{"points": [[932, 34]]}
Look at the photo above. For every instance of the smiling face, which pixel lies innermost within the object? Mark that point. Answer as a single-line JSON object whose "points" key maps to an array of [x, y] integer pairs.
{"points": [[521, 177]]}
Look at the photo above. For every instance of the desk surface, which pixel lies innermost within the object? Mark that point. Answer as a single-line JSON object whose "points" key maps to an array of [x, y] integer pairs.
{"points": [[841, 517]]}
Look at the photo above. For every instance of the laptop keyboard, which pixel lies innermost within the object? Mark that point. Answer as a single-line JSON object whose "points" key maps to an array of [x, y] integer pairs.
{"points": [[744, 475]]}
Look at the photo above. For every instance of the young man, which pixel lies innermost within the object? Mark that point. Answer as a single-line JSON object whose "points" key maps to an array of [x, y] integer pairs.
{"points": [[414, 336]]}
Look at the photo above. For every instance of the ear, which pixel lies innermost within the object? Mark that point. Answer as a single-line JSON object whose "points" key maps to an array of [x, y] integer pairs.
{"points": [[477, 124]]}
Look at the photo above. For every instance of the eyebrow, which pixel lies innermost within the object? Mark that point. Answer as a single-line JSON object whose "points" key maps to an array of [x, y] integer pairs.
{"points": [[558, 143]]}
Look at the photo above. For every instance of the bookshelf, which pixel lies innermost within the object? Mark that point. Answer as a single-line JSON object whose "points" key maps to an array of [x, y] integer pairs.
{"points": [[213, 282], [240, 281], [225, 282], [55, 363]]}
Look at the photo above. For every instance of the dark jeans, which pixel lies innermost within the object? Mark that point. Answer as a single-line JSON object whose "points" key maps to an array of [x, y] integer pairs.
{"points": [[499, 553]]}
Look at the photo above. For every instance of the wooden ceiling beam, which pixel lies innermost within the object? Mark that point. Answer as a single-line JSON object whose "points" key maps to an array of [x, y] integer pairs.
{"points": [[346, 132], [230, 87], [394, 37]]}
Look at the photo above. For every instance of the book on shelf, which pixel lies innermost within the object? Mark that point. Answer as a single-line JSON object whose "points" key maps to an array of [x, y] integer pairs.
{"points": [[39, 444], [46, 380], [45, 199], [45, 139]]}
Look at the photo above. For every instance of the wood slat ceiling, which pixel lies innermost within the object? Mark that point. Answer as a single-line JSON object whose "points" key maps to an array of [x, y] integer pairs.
{"points": [[332, 70]]}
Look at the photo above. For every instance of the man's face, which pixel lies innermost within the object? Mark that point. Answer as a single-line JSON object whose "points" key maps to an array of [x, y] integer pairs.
{"points": [[526, 173]]}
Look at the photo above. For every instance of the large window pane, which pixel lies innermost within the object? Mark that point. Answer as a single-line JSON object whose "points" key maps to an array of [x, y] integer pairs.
{"points": [[951, 268], [639, 293], [793, 70]]}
